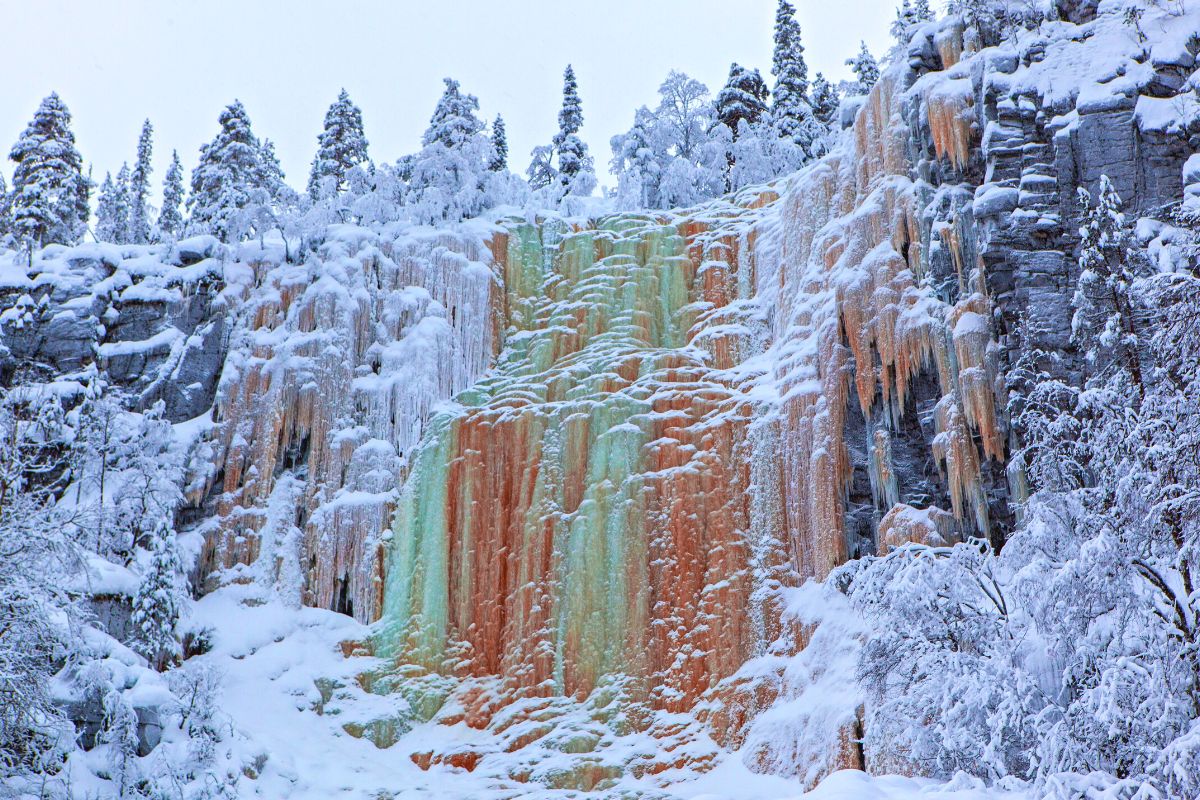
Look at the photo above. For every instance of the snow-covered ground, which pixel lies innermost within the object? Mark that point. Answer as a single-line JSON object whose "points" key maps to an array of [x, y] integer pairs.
{"points": [[271, 659]]}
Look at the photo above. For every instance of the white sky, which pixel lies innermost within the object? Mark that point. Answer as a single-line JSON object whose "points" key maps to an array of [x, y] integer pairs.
{"points": [[179, 62]]}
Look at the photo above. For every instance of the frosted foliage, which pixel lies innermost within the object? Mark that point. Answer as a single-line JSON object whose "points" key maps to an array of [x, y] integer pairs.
{"points": [[673, 156], [334, 369]]}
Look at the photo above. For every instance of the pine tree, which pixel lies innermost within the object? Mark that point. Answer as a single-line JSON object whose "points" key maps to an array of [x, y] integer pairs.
{"points": [[453, 122], [5, 213], [743, 98], [865, 68], [341, 146], [139, 188], [499, 145], [573, 158], [922, 11], [271, 177], [824, 100], [170, 219], [112, 210], [1110, 261], [791, 108], [49, 198], [107, 220], [229, 172], [158, 602], [448, 179], [905, 19]]}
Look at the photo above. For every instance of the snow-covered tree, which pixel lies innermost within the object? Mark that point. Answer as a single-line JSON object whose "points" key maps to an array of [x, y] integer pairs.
{"points": [[120, 733], [341, 146], [499, 145], [139, 188], [673, 155], [573, 158], [224, 181], [1071, 654], [541, 172], [565, 165], [449, 178], [791, 108], [865, 68], [36, 551], [824, 101], [112, 211], [170, 219], [159, 600], [1110, 260], [744, 97], [5, 211], [760, 154], [49, 196]]}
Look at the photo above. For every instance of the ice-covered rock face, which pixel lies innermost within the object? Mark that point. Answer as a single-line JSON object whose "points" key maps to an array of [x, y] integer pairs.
{"points": [[578, 470]]}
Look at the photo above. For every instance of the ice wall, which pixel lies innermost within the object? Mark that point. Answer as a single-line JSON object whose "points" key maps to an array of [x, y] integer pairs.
{"points": [[583, 512], [332, 373]]}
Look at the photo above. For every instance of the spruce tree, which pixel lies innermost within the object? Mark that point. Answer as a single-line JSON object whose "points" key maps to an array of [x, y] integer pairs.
{"points": [[139, 188], [453, 122], [1105, 323], [573, 157], [108, 225], [865, 68], [824, 100], [158, 602], [447, 180], [341, 146], [49, 197], [170, 219], [499, 146], [743, 98], [229, 173], [790, 104], [271, 177], [112, 210], [5, 216]]}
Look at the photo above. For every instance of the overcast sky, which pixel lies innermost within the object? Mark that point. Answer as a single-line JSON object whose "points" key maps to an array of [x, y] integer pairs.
{"points": [[116, 62]]}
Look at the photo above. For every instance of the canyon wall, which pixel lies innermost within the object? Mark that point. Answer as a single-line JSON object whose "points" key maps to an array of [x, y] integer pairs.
{"points": [[575, 469]]}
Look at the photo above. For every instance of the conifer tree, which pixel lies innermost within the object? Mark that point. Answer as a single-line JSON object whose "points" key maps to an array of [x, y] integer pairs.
{"points": [[824, 100], [158, 602], [342, 146], [865, 68], [454, 119], [5, 220], [447, 180], [744, 97], [170, 219], [112, 211], [108, 224], [139, 188], [229, 172], [1105, 322], [499, 145], [573, 157], [791, 108], [271, 177], [49, 197]]}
